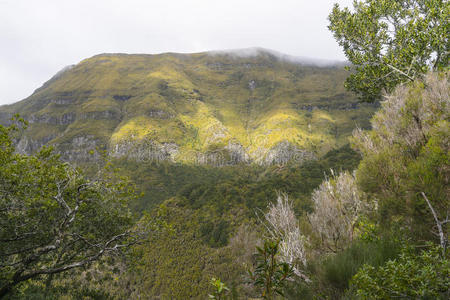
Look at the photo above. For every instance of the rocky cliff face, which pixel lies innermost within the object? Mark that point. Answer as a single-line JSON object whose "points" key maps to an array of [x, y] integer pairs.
{"points": [[147, 150], [206, 108], [285, 152]]}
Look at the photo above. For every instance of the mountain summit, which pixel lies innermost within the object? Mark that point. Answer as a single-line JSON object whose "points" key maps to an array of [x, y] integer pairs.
{"points": [[218, 108]]}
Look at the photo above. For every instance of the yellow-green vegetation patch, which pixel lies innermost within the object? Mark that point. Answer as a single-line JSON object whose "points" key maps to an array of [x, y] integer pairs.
{"points": [[144, 127], [203, 103], [209, 129]]}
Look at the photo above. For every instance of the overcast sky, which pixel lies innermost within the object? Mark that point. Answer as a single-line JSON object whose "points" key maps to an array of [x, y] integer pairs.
{"points": [[40, 37]]}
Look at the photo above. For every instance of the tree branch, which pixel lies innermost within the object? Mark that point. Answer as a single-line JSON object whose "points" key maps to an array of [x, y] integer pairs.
{"points": [[443, 240], [400, 71]]}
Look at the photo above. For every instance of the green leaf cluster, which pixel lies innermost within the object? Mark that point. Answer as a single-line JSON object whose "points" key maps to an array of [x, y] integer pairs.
{"points": [[391, 42], [269, 274], [53, 218], [423, 275], [220, 289]]}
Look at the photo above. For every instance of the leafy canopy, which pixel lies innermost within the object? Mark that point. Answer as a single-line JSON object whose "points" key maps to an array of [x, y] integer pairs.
{"points": [[391, 42], [52, 217]]}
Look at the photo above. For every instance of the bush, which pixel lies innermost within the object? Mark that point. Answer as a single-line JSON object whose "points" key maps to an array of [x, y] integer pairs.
{"points": [[424, 275], [340, 268]]}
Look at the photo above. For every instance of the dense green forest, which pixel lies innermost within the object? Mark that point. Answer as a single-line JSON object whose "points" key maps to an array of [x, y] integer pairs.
{"points": [[250, 186]]}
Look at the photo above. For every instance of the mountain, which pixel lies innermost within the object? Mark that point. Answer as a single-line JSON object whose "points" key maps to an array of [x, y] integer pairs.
{"points": [[216, 108]]}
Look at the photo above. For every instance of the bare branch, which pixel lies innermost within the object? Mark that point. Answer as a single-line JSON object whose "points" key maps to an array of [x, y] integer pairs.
{"points": [[337, 208], [283, 225], [400, 71], [442, 238]]}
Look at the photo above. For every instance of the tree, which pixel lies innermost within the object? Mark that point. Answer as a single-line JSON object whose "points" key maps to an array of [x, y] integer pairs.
{"points": [[406, 156], [283, 226], [53, 218], [391, 42], [338, 206]]}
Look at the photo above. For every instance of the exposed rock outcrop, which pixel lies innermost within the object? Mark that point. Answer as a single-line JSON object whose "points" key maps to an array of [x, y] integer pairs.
{"points": [[231, 154], [5, 118], [283, 153], [27, 145], [159, 114], [64, 119], [100, 115], [147, 150], [81, 148]]}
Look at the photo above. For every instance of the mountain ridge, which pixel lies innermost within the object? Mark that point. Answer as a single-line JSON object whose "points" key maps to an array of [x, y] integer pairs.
{"points": [[209, 108]]}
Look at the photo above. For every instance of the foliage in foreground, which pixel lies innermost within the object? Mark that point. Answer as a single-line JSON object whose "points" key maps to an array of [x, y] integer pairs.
{"points": [[407, 154], [424, 275], [220, 289], [391, 42], [53, 218], [404, 171], [270, 274], [335, 271]]}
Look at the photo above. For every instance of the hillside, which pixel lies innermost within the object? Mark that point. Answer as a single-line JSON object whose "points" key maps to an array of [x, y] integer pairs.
{"points": [[216, 108]]}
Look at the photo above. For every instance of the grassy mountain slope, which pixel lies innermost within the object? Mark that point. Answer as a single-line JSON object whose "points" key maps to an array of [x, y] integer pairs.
{"points": [[213, 108]]}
